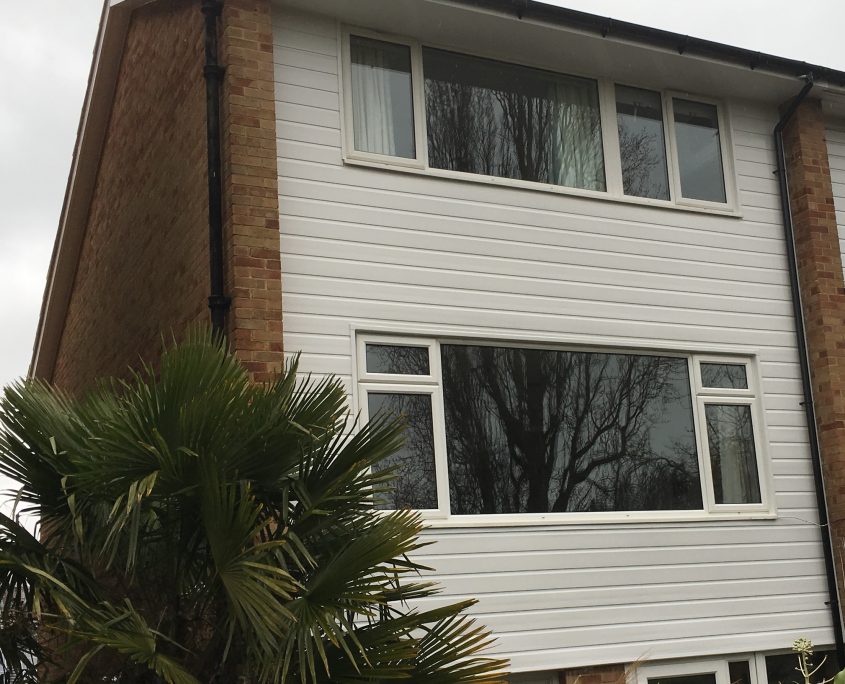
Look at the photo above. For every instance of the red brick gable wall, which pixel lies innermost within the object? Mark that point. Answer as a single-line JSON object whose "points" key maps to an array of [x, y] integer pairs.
{"points": [[143, 267]]}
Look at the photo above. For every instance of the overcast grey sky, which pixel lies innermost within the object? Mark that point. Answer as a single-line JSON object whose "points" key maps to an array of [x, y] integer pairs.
{"points": [[45, 52]]}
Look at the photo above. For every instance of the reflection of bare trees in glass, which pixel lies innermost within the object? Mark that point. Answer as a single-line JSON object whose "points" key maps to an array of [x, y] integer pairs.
{"points": [[639, 117], [541, 431], [397, 359], [724, 375], [415, 484], [497, 119], [643, 163]]}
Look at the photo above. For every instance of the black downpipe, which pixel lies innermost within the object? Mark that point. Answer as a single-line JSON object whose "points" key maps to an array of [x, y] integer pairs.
{"points": [[218, 302], [809, 407]]}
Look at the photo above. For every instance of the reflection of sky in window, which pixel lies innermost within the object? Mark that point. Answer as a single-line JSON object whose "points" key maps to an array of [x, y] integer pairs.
{"points": [[699, 151]]}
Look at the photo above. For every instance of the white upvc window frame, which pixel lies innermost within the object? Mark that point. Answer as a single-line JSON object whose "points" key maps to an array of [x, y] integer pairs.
{"points": [[716, 666], [700, 396], [606, 89], [418, 102], [721, 396], [395, 383], [725, 148]]}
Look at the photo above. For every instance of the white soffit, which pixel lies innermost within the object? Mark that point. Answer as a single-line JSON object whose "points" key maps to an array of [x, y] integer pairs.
{"points": [[473, 29]]}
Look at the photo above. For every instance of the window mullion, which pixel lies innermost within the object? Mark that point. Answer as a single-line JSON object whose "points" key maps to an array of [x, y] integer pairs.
{"points": [[700, 423], [610, 137], [418, 89], [671, 148], [441, 464]]}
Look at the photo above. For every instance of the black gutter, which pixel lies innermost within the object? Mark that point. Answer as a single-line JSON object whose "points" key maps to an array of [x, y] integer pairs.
{"points": [[218, 302], [645, 35], [806, 381]]}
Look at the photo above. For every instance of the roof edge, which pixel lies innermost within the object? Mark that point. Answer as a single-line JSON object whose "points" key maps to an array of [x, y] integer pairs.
{"points": [[607, 27]]}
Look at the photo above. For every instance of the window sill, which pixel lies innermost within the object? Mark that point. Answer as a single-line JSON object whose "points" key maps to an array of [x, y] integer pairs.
{"points": [[413, 167], [568, 519]]}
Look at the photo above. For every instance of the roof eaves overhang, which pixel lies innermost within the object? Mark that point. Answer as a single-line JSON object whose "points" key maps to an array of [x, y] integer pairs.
{"points": [[614, 29]]}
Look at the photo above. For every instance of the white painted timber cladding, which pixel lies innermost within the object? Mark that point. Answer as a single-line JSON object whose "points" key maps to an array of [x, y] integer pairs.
{"points": [[382, 248], [836, 158]]}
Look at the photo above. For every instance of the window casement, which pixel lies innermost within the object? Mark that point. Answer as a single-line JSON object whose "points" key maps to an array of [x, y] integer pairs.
{"points": [[749, 668], [504, 433], [421, 108], [731, 670]]}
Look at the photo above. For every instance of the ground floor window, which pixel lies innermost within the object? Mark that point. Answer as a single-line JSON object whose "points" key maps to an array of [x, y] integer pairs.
{"points": [[530, 429], [755, 668]]}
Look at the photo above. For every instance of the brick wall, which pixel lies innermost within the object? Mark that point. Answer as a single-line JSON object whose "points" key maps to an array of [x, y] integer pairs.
{"points": [[823, 298], [250, 184], [143, 267]]}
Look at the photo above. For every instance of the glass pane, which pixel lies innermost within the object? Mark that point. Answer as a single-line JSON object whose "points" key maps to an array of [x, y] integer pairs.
{"points": [[382, 97], [510, 121], [639, 117], [739, 672], [396, 359], [732, 455], [699, 151], [780, 669], [707, 678], [415, 485], [724, 375], [536, 431]]}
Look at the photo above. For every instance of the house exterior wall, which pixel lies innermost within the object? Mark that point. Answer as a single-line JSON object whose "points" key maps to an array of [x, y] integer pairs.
{"points": [[365, 248], [147, 234]]}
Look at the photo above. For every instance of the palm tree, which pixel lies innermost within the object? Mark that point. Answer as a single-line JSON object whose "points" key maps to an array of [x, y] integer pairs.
{"points": [[197, 527]]}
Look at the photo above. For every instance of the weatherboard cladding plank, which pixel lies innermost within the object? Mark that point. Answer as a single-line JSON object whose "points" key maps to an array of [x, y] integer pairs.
{"points": [[677, 594], [307, 197], [374, 247], [650, 650]]}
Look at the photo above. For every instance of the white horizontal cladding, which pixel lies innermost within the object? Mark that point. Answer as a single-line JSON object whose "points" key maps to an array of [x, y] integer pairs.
{"points": [[380, 250], [836, 157]]}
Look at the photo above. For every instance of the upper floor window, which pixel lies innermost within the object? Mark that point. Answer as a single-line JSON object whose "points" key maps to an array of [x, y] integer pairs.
{"points": [[419, 107], [506, 429], [382, 99], [499, 119]]}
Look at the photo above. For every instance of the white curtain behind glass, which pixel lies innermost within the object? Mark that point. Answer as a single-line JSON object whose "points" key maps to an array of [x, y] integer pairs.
{"points": [[381, 98], [732, 452], [577, 159]]}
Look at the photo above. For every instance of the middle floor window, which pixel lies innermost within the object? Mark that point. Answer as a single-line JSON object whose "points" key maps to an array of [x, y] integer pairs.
{"points": [[499, 119], [497, 430], [415, 106]]}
